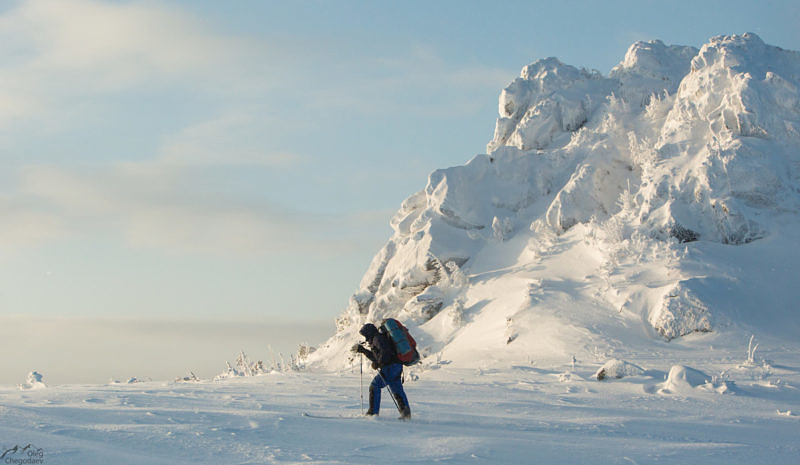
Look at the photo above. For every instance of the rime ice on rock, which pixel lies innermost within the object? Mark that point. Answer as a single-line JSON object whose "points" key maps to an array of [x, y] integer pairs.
{"points": [[651, 68], [676, 145], [681, 312], [548, 99], [617, 369]]}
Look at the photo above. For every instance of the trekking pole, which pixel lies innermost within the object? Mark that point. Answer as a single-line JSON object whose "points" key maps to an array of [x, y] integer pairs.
{"points": [[361, 375], [391, 394]]}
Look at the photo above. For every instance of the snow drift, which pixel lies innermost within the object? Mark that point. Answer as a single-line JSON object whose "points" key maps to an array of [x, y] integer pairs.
{"points": [[645, 205], [682, 379]]}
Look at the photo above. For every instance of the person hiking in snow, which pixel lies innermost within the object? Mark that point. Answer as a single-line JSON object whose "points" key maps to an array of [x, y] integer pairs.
{"points": [[390, 370]]}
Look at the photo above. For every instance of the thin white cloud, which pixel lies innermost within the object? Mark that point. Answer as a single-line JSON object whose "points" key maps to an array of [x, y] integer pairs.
{"points": [[417, 80], [54, 51], [25, 225], [164, 208], [58, 57], [231, 139], [422, 64], [155, 208], [123, 42]]}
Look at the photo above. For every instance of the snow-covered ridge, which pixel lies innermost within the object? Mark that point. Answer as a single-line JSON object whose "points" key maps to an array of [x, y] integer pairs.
{"points": [[598, 214]]}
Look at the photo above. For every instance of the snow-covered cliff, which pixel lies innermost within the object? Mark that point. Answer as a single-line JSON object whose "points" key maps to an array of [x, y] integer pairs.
{"points": [[658, 201]]}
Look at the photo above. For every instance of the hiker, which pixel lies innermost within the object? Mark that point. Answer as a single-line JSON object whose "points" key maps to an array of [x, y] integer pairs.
{"points": [[390, 370]]}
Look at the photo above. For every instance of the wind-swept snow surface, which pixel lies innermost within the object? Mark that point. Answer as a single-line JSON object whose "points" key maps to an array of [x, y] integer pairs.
{"points": [[521, 415], [610, 213]]}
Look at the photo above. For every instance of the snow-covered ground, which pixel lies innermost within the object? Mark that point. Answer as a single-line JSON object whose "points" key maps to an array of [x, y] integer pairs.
{"points": [[520, 415]]}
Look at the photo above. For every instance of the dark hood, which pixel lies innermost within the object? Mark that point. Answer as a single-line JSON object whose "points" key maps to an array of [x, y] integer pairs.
{"points": [[368, 331]]}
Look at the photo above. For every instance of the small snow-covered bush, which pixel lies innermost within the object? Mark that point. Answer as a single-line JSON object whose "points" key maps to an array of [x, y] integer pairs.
{"points": [[510, 334], [131, 380], [755, 368], [457, 312], [457, 280], [750, 360], [33, 381], [192, 378], [246, 367], [242, 367], [502, 229], [303, 352]]}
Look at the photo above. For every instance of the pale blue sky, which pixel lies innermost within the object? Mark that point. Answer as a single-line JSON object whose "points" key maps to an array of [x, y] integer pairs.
{"points": [[242, 159]]}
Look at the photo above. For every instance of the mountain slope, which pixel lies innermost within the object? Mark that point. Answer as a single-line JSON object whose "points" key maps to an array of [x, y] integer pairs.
{"points": [[610, 214]]}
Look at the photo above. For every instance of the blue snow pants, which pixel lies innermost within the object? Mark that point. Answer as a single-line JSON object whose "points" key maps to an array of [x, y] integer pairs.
{"points": [[392, 374]]}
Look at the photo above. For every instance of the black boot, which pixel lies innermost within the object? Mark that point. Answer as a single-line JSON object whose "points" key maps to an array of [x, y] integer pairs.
{"points": [[372, 410], [405, 410]]}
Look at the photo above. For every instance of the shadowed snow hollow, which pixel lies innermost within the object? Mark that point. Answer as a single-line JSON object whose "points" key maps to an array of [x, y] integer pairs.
{"points": [[610, 211]]}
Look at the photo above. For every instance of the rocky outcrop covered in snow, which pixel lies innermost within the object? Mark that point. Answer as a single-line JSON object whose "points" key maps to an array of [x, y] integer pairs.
{"points": [[675, 145], [616, 369]]}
